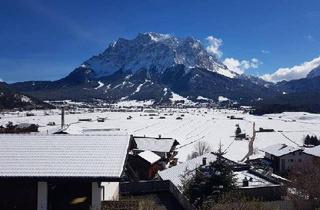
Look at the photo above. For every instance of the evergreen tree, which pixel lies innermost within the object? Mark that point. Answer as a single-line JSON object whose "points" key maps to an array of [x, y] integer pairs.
{"points": [[238, 130], [311, 140], [208, 183], [307, 140]]}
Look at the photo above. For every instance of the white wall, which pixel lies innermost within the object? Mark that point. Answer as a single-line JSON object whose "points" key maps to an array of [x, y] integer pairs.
{"points": [[111, 191], [42, 203]]}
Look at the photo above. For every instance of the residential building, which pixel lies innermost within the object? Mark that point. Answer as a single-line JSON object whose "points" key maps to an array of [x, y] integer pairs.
{"points": [[283, 157], [60, 172]]}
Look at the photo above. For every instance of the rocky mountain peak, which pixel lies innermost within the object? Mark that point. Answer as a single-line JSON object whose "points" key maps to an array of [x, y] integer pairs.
{"points": [[154, 51]]}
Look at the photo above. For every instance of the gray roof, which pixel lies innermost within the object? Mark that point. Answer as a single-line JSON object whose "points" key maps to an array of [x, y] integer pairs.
{"points": [[175, 173], [280, 149], [155, 144], [315, 151], [63, 156]]}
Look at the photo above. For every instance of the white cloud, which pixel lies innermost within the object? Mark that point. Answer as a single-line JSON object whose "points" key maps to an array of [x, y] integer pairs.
{"points": [[1, 80], [214, 45], [240, 66], [295, 72], [265, 51]]}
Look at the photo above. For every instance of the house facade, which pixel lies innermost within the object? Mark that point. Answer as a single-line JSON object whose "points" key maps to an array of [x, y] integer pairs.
{"points": [[60, 172], [283, 157]]}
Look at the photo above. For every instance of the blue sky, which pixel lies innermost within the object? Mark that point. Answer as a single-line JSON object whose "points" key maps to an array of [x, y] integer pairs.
{"points": [[46, 40]]}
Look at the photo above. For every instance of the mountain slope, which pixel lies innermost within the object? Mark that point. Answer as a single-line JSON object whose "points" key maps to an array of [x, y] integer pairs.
{"points": [[10, 99], [314, 73], [295, 95]]}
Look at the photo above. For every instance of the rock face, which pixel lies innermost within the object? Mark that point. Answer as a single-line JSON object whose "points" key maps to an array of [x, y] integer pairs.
{"points": [[152, 66], [154, 51]]}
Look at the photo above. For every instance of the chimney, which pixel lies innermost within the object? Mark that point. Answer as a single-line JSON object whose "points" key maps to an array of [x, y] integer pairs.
{"points": [[62, 117], [204, 161], [245, 182], [159, 136]]}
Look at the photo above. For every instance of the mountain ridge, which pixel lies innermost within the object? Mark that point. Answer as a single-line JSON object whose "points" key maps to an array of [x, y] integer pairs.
{"points": [[158, 67]]}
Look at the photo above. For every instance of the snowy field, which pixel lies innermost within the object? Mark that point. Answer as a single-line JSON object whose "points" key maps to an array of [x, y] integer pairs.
{"points": [[212, 126]]}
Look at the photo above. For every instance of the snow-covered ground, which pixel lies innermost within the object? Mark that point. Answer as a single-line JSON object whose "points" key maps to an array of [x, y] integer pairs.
{"points": [[196, 125]]}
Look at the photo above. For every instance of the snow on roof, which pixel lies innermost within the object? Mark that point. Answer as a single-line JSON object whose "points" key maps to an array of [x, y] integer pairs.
{"points": [[149, 156], [279, 149], [175, 173], [63, 156], [154, 144], [315, 151], [254, 181], [24, 125]]}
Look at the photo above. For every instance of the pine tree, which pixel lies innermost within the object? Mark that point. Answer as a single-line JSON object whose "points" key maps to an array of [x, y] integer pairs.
{"points": [[238, 130], [307, 140], [208, 183]]}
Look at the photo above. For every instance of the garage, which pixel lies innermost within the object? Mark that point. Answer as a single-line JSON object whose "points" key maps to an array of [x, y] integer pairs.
{"points": [[18, 195]]}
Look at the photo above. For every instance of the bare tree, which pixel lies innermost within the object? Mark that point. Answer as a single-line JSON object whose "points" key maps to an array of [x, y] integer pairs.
{"points": [[305, 180], [200, 148]]}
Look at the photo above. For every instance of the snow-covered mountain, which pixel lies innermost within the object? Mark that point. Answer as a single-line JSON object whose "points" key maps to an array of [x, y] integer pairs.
{"points": [[155, 67], [154, 51]]}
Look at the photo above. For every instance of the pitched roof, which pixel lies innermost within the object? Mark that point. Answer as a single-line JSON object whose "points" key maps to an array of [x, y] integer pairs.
{"points": [[279, 149], [63, 156], [150, 157], [175, 173], [155, 144], [315, 151]]}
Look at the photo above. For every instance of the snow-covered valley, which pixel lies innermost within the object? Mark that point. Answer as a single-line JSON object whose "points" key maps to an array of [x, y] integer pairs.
{"points": [[211, 126]]}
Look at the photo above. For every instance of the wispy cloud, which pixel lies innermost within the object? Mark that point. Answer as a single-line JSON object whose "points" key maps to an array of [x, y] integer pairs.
{"points": [[265, 51], [214, 45], [240, 66], [295, 72], [310, 38]]}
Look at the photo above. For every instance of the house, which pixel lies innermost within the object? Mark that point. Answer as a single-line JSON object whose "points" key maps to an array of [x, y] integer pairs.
{"points": [[283, 157], [149, 155], [60, 172], [249, 182], [164, 147], [19, 128], [144, 165]]}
